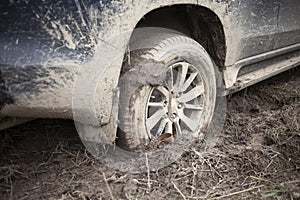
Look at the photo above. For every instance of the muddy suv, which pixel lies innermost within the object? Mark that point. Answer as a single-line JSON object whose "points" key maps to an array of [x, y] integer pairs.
{"points": [[140, 70]]}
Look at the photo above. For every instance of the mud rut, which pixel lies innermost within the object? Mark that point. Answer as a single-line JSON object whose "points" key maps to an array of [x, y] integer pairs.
{"points": [[257, 156]]}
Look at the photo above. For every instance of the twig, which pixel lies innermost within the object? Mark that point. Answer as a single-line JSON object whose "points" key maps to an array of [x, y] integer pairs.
{"points": [[239, 192], [11, 188], [208, 163], [194, 177], [289, 182], [148, 172], [178, 190], [107, 185]]}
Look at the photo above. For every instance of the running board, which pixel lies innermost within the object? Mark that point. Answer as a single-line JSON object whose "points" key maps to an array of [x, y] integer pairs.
{"points": [[269, 71], [231, 72]]}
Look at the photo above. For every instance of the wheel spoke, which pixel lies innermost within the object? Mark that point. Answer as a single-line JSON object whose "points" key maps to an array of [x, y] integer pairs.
{"points": [[156, 104], [154, 119], [194, 93], [178, 128], [189, 81], [163, 91], [193, 107], [169, 127], [192, 125], [181, 76], [161, 127]]}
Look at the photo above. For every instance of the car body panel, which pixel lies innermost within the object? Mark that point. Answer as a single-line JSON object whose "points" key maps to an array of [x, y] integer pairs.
{"points": [[289, 22], [44, 45]]}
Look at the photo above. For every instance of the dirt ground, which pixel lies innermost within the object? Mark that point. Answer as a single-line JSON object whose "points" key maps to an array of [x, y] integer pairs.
{"points": [[257, 157]]}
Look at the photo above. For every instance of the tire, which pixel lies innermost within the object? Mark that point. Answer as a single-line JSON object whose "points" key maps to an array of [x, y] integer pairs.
{"points": [[180, 56]]}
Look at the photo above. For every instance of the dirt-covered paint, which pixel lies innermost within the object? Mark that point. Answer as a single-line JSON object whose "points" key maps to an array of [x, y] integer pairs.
{"points": [[46, 44], [55, 41]]}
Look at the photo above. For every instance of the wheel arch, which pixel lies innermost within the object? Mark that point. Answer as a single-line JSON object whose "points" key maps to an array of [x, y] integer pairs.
{"points": [[198, 22]]}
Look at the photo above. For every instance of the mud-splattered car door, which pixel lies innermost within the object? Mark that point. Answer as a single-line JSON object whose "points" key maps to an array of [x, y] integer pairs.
{"points": [[289, 23], [258, 21]]}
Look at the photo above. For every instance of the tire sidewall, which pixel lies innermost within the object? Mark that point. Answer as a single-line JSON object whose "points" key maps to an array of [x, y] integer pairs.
{"points": [[170, 54]]}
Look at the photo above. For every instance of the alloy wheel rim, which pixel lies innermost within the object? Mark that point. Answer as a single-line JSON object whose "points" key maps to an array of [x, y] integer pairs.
{"points": [[177, 107]]}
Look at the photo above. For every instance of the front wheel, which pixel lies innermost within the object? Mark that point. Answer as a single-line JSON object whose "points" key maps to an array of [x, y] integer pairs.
{"points": [[184, 104]]}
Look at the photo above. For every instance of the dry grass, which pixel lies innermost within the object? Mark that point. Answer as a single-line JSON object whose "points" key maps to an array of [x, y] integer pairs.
{"points": [[257, 157]]}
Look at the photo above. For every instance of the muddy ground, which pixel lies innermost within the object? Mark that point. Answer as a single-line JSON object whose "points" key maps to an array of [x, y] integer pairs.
{"points": [[257, 156]]}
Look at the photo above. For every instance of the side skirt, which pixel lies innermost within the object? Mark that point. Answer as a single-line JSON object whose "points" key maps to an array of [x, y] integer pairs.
{"points": [[252, 70]]}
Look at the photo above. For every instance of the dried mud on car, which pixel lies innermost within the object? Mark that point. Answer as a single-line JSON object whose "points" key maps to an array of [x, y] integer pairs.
{"points": [[257, 156]]}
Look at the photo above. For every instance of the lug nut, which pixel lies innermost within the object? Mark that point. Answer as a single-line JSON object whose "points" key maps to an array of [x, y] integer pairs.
{"points": [[179, 106], [165, 103], [174, 115], [178, 95]]}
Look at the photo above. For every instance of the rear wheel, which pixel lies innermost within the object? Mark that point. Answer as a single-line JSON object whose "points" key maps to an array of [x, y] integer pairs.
{"points": [[183, 105]]}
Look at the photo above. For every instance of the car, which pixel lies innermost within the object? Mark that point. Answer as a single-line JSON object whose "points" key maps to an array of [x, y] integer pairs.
{"points": [[138, 70]]}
